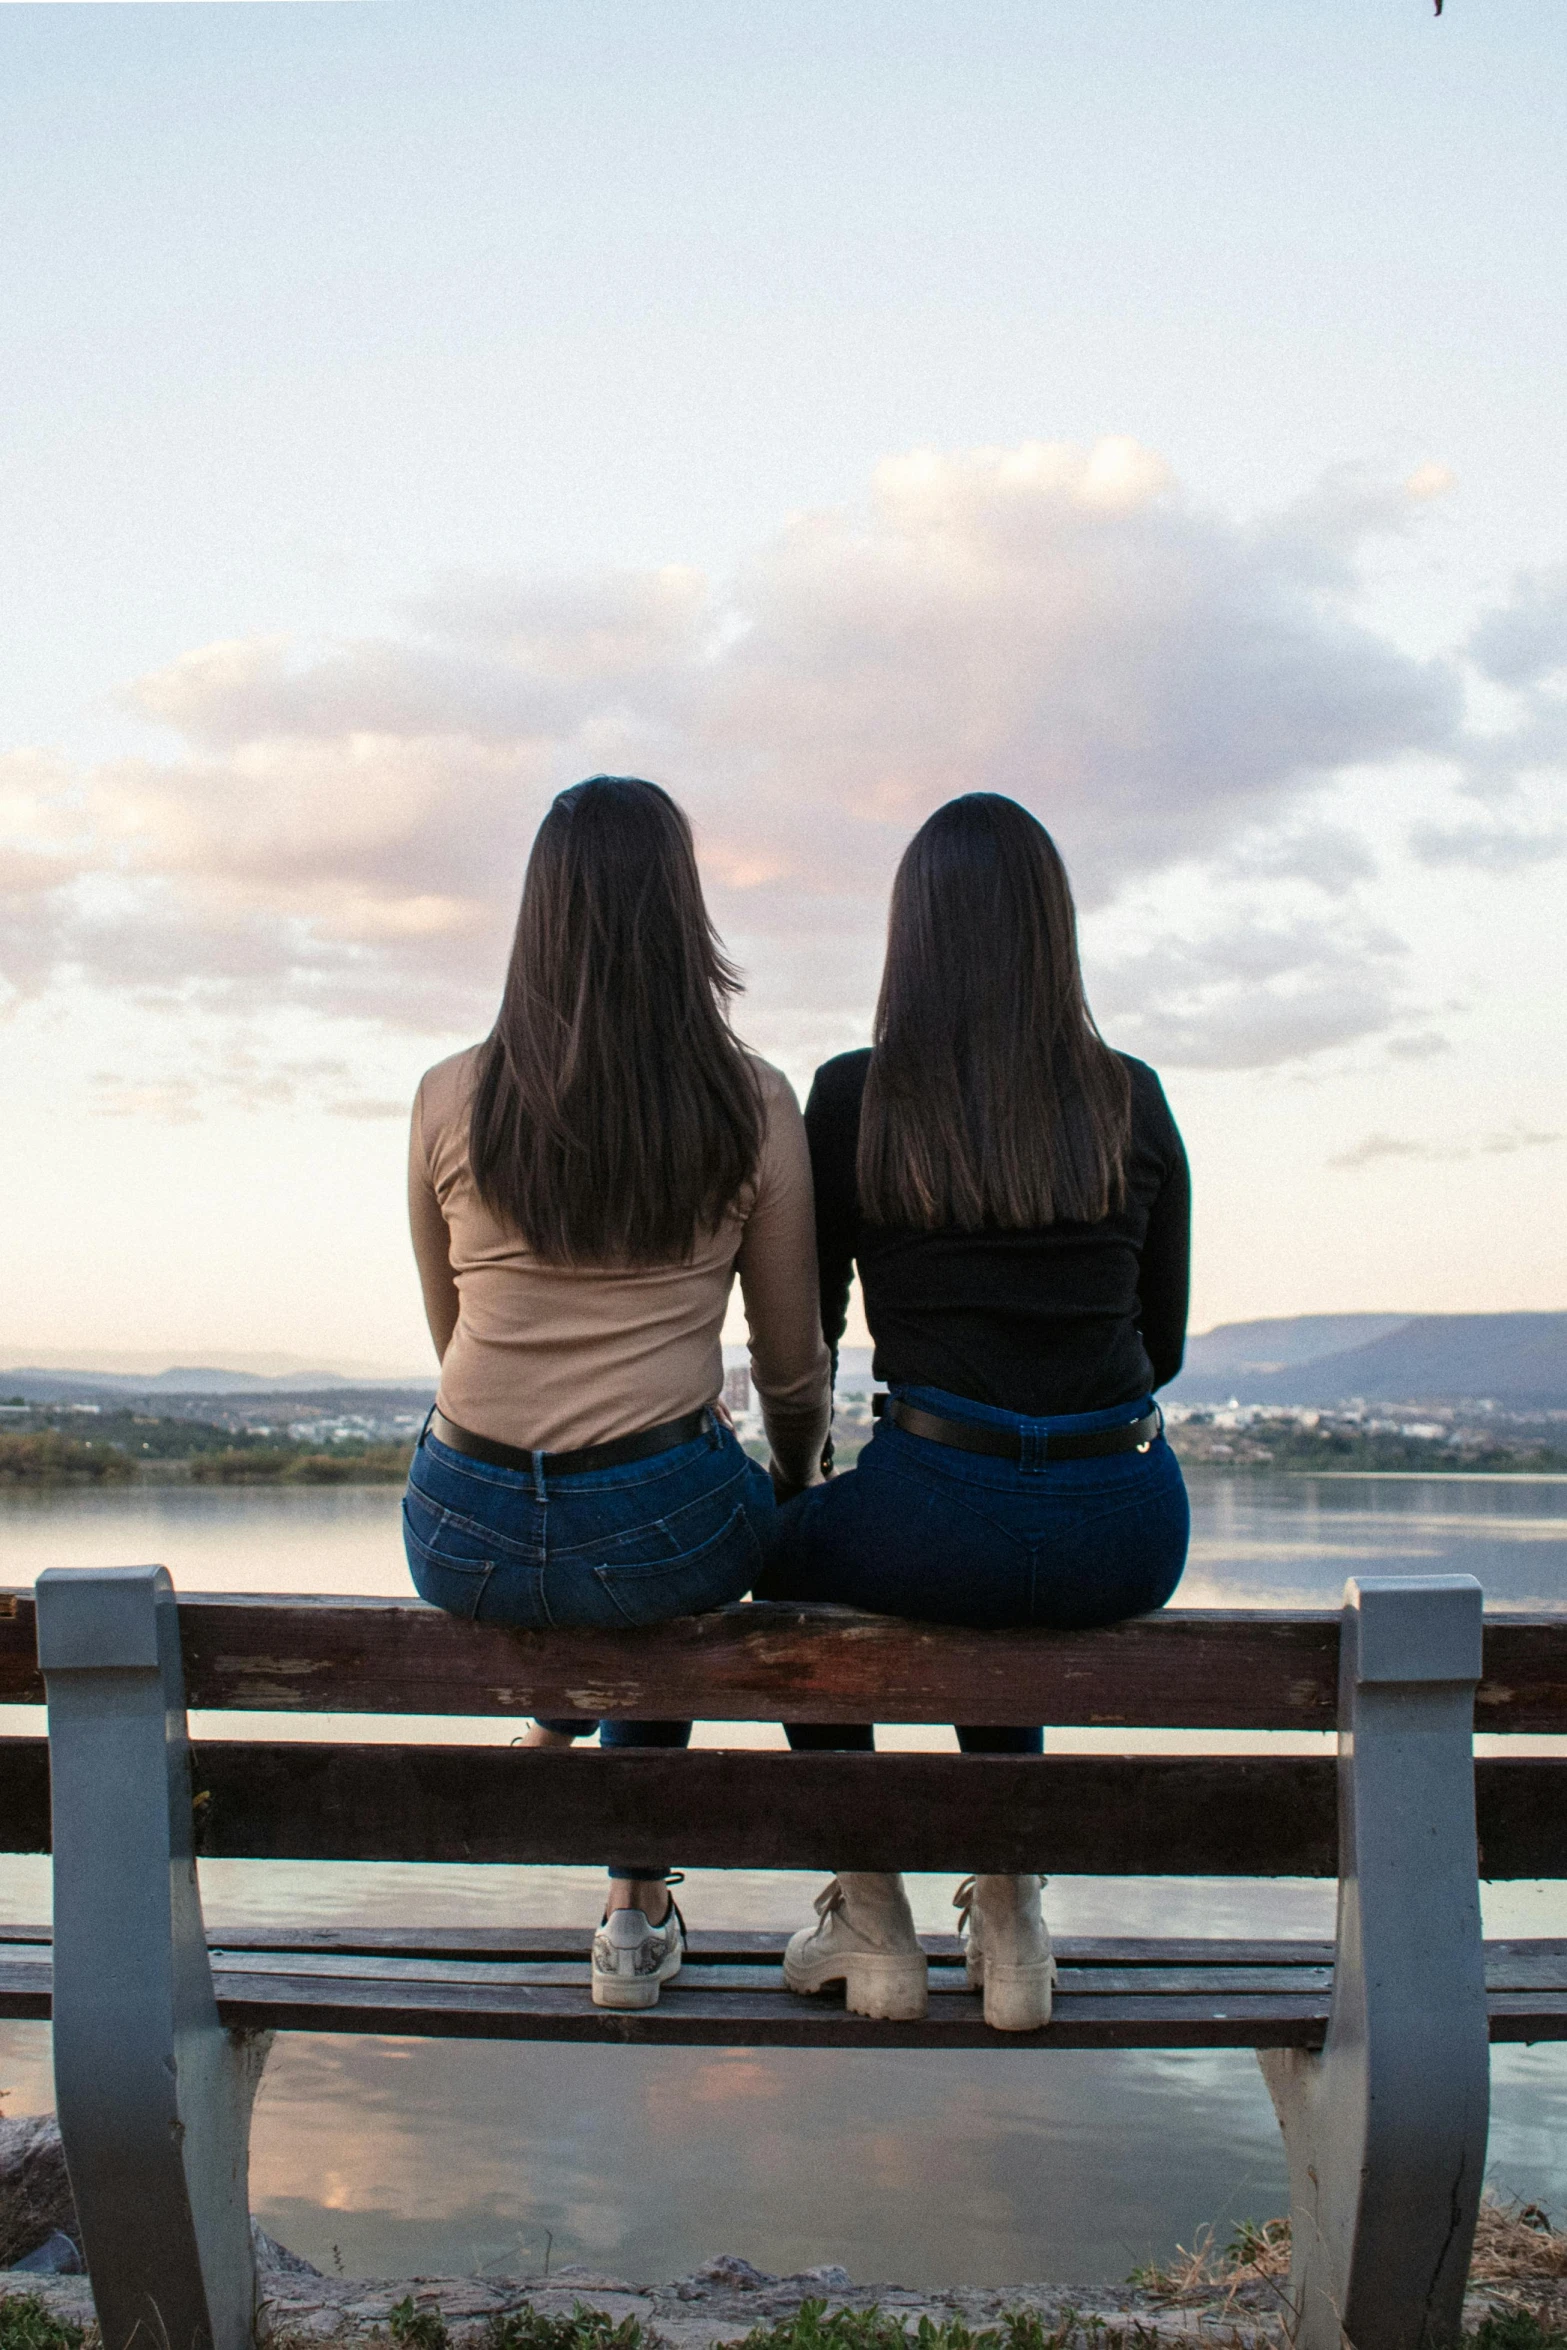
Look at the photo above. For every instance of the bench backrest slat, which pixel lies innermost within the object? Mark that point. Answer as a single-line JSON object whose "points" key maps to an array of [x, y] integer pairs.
{"points": [[1098, 1815], [1201, 1669], [1209, 1668]]}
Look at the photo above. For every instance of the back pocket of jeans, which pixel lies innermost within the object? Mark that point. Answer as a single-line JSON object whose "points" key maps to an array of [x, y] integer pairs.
{"points": [[721, 1569], [445, 1578]]}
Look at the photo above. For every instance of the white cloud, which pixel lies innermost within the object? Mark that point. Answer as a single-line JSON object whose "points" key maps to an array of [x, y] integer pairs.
{"points": [[1488, 845], [1377, 1148], [345, 827], [1251, 996], [1422, 1044], [1524, 641], [1329, 856], [242, 1070]]}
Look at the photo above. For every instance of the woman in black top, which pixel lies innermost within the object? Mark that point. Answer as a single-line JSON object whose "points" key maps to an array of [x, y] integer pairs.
{"points": [[1016, 1198]]}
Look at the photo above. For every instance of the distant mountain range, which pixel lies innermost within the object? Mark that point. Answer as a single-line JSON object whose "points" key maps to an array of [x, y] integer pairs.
{"points": [[65, 1386], [1517, 1360]]}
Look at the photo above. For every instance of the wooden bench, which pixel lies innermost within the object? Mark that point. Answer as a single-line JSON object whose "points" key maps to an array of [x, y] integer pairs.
{"points": [[1375, 2051]]}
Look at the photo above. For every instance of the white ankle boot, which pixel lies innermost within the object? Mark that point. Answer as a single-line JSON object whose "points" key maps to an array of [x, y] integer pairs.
{"points": [[1008, 1951], [866, 1941]]}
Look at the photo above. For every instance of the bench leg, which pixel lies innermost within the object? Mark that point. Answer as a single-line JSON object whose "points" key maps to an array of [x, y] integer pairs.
{"points": [[154, 2096], [1386, 2129]]}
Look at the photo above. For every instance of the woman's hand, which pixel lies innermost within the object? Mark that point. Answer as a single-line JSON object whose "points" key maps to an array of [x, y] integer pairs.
{"points": [[785, 1489]]}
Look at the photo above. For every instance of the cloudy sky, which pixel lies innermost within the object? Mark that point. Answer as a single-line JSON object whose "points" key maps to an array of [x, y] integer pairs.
{"points": [[1155, 413]]}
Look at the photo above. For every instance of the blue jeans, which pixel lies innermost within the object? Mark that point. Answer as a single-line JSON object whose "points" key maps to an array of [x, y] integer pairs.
{"points": [[609, 1550], [950, 1537]]}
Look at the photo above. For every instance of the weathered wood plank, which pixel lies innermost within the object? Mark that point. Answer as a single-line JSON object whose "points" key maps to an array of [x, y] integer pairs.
{"points": [[1525, 1684], [1195, 1669], [1108, 1815], [1521, 1816], [1527, 2015], [1092, 1815], [1111, 1815], [1207, 1668], [26, 1984], [758, 2018], [1120, 1961], [744, 1945], [24, 1795], [765, 1663], [947, 1980], [21, 1683], [723, 2006]]}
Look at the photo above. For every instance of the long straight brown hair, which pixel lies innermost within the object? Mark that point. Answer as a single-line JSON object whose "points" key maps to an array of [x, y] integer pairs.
{"points": [[991, 1098], [616, 1116]]}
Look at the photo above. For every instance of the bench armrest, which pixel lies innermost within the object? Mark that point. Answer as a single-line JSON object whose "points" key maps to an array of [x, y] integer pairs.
{"points": [[1386, 2129], [154, 2096]]}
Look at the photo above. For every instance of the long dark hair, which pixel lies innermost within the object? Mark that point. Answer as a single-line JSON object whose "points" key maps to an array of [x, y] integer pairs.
{"points": [[992, 1098], [616, 1115]]}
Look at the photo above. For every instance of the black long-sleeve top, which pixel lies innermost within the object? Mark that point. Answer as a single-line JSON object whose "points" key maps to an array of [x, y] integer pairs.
{"points": [[1070, 1318]]}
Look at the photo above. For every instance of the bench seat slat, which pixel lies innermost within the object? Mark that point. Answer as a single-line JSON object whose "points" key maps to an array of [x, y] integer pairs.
{"points": [[758, 2017], [718, 2003], [710, 1975], [1113, 1963]]}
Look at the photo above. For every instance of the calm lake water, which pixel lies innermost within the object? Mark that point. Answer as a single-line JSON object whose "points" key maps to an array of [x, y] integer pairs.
{"points": [[394, 2157]]}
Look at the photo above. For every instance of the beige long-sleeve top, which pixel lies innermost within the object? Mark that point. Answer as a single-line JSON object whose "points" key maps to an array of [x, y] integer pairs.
{"points": [[553, 1357]]}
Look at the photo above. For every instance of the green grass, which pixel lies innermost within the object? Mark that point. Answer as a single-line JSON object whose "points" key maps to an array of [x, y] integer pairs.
{"points": [[584, 2329], [1516, 2329], [811, 2328], [28, 2323], [878, 2329]]}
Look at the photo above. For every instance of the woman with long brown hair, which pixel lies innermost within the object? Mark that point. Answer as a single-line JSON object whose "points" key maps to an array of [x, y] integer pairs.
{"points": [[1015, 1196], [583, 1187]]}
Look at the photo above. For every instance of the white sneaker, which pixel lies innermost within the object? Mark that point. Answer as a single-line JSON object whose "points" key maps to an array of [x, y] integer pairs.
{"points": [[866, 1941], [633, 1960], [1008, 1954]]}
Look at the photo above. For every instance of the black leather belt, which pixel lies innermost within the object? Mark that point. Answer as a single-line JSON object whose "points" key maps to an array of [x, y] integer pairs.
{"points": [[1007, 1444], [614, 1455]]}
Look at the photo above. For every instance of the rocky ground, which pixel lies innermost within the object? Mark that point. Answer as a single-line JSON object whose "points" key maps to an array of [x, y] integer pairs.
{"points": [[1230, 2298], [720, 2302]]}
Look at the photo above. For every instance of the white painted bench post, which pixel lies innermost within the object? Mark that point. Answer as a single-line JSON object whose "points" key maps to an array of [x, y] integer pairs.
{"points": [[154, 2096], [1386, 2129]]}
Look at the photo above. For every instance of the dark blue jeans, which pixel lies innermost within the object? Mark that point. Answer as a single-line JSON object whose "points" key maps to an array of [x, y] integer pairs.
{"points": [[612, 1549], [950, 1537]]}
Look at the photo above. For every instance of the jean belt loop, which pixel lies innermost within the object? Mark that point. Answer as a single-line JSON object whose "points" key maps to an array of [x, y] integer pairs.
{"points": [[714, 1431], [1035, 1451], [538, 1474], [425, 1430]]}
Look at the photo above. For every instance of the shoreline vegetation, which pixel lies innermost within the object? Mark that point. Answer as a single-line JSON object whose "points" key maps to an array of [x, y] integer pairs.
{"points": [[129, 1448], [1301, 1444]]}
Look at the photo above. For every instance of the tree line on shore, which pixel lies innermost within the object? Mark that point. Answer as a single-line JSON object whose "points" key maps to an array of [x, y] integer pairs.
{"points": [[127, 1448]]}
